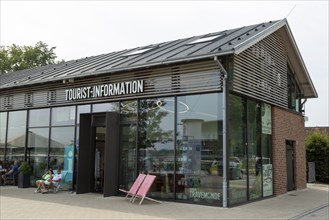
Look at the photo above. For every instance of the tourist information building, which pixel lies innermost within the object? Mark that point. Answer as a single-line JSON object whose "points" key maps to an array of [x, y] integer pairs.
{"points": [[218, 118]]}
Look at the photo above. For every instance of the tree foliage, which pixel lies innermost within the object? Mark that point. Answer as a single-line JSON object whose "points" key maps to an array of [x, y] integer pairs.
{"points": [[13, 58], [317, 150]]}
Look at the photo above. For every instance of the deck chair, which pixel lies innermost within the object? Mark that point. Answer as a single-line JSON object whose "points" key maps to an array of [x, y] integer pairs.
{"points": [[56, 188], [11, 179], [144, 188], [134, 188]]}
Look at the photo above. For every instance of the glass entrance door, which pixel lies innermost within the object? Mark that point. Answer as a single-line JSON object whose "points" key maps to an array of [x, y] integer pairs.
{"points": [[99, 159]]}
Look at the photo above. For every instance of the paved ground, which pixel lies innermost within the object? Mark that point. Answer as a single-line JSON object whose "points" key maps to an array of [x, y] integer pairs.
{"points": [[15, 203]]}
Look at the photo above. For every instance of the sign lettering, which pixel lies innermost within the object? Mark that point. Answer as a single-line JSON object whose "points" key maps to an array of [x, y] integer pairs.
{"points": [[113, 89]]}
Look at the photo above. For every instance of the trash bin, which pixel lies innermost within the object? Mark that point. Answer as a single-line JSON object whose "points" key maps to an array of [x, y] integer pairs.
{"points": [[235, 171], [311, 172]]}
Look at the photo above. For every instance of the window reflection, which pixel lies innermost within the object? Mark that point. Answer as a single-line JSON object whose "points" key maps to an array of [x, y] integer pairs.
{"points": [[16, 136], [254, 149], [3, 131], [237, 131], [37, 151], [63, 116], [62, 151], [199, 149], [106, 107], [39, 117], [156, 144], [128, 132], [82, 109]]}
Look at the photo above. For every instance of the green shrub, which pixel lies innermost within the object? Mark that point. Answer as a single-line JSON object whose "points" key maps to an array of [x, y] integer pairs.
{"points": [[317, 150], [24, 168]]}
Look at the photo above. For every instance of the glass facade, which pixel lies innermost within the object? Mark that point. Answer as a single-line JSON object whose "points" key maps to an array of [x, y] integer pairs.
{"points": [[37, 151], [3, 126], [178, 139], [128, 146], [16, 139], [199, 149], [63, 116], [250, 167], [156, 143]]}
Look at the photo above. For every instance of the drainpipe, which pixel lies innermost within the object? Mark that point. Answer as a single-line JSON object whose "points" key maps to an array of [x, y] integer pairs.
{"points": [[221, 68]]}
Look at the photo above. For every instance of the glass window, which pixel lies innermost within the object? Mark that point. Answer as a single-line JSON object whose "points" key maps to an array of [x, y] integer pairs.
{"points": [[63, 116], [106, 107], [294, 94], [39, 117], [3, 131], [16, 136], [128, 134], [156, 143], [254, 149], [199, 149], [62, 151], [128, 111], [237, 152], [37, 151], [264, 164], [82, 109]]}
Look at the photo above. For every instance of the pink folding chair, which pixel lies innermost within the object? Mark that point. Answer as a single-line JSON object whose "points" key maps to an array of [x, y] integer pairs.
{"points": [[144, 188], [134, 188]]}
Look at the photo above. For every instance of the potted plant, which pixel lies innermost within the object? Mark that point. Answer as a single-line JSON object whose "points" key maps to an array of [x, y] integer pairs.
{"points": [[24, 175]]}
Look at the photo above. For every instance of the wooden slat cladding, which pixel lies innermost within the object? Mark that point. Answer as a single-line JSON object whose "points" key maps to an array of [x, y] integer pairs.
{"points": [[260, 71], [171, 80]]}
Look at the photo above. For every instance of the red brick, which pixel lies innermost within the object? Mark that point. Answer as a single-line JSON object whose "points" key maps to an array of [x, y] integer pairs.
{"points": [[290, 126]]}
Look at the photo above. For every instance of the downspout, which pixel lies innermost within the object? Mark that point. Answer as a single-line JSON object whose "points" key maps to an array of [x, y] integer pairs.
{"points": [[221, 68], [303, 103]]}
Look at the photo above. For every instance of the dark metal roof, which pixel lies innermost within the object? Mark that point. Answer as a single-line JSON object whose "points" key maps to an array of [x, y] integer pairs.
{"points": [[228, 42]]}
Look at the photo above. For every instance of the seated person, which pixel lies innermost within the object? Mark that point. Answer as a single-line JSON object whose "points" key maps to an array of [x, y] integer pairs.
{"points": [[54, 181], [45, 177], [11, 172]]}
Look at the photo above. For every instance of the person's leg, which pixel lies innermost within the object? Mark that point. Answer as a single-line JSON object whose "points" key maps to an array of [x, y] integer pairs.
{"points": [[44, 186], [49, 186], [38, 184], [4, 177]]}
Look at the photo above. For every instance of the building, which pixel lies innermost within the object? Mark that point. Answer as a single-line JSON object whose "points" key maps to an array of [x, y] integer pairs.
{"points": [[218, 118], [322, 129]]}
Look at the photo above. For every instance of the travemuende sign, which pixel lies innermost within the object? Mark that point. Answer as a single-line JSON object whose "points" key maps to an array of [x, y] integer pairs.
{"points": [[104, 90]]}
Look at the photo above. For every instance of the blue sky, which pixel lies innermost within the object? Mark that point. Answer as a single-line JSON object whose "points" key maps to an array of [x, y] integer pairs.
{"points": [[86, 28]]}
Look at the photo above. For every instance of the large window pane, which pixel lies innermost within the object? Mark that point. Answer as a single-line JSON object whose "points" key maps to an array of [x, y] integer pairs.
{"points": [[264, 164], [37, 151], [63, 116], [128, 111], [62, 151], [156, 145], [16, 136], [3, 131], [82, 109], [39, 117], [237, 152], [106, 107], [199, 149], [128, 133], [254, 149]]}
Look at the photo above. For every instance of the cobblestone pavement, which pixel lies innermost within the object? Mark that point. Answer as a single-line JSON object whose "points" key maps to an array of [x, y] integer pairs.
{"points": [[17, 203]]}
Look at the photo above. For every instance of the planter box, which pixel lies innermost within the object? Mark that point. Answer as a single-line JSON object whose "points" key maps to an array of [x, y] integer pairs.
{"points": [[23, 180]]}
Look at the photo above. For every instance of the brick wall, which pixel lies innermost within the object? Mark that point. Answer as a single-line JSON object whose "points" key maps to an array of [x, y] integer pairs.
{"points": [[287, 126]]}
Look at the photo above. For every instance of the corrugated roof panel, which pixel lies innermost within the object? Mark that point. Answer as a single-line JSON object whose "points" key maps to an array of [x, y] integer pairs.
{"points": [[167, 52], [146, 57]]}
